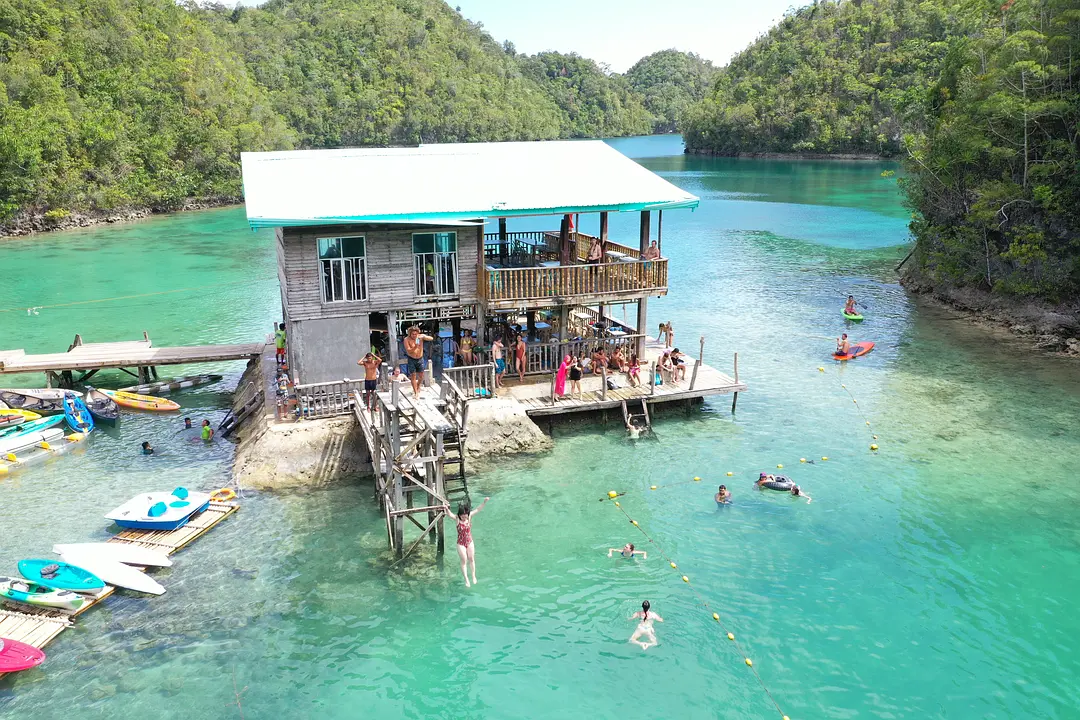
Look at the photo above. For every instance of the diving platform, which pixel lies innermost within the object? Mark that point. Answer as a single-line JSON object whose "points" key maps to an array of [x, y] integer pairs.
{"points": [[138, 358]]}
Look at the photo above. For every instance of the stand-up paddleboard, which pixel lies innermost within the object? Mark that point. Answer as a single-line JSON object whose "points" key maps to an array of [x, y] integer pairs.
{"points": [[857, 350], [118, 552], [856, 317], [16, 656], [114, 573]]}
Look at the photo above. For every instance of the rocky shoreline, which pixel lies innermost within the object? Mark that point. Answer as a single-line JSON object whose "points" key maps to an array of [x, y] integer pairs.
{"points": [[39, 220], [1050, 328]]}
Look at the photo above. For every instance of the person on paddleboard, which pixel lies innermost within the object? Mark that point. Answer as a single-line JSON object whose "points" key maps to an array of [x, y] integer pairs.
{"points": [[849, 309], [843, 347]]}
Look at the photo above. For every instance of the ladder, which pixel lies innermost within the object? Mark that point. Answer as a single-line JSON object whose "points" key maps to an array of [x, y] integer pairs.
{"points": [[629, 417]]}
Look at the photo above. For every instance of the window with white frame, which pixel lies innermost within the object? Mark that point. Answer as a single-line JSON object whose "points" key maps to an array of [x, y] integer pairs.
{"points": [[435, 263], [344, 268]]}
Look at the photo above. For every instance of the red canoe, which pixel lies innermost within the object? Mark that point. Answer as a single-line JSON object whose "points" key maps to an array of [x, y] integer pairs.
{"points": [[857, 350], [15, 656]]}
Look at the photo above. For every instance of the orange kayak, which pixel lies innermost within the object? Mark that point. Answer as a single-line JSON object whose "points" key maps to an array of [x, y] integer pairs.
{"points": [[857, 350], [140, 402]]}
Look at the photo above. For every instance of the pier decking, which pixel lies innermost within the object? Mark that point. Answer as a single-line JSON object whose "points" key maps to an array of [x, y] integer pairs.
{"points": [[39, 626], [88, 358]]}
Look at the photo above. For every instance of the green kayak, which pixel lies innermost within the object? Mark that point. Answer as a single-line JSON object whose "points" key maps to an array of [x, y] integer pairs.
{"points": [[855, 317]]}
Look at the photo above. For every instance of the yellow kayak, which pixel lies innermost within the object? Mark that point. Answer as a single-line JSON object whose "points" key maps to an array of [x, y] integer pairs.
{"points": [[140, 402], [27, 415]]}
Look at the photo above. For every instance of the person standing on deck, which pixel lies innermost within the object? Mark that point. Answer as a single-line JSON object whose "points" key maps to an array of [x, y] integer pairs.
{"points": [[652, 252], [466, 346], [519, 356], [371, 363], [497, 349], [414, 349], [594, 257], [466, 549], [279, 343], [560, 377]]}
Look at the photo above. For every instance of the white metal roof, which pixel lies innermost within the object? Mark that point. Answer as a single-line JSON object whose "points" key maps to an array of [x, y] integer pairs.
{"points": [[434, 183]]}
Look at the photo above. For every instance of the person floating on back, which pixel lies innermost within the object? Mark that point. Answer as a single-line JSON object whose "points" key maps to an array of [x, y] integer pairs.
{"points": [[645, 627], [279, 344], [146, 448], [628, 552], [207, 431]]}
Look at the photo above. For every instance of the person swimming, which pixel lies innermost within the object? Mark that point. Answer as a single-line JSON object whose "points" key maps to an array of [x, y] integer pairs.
{"points": [[797, 492], [645, 627], [628, 551], [723, 496]]}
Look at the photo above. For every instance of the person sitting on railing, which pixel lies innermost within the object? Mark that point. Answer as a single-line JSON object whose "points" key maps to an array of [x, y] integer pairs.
{"points": [[652, 252]]}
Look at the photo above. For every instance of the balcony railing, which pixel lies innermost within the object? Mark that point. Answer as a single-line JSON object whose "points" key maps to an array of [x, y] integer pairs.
{"points": [[619, 278]]}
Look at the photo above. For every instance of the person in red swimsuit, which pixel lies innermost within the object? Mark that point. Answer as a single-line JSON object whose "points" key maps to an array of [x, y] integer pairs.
{"points": [[465, 548]]}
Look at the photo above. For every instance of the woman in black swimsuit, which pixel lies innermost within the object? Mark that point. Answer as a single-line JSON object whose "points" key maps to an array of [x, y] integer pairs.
{"points": [[575, 379]]}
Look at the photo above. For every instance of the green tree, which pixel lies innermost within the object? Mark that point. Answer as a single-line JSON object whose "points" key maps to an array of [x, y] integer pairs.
{"points": [[669, 81]]}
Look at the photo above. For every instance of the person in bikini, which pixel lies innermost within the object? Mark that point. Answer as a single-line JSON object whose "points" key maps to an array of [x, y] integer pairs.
{"points": [[633, 371], [414, 349], [466, 347], [645, 627], [466, 550], [370, 363]]}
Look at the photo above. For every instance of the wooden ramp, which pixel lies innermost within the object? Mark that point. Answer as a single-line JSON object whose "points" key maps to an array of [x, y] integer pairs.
{"points": [[88, 358], [38, 626]]}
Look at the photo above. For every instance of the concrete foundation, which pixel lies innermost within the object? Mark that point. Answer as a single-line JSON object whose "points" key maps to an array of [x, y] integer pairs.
{"points": [[311, 453], [327, 349]]}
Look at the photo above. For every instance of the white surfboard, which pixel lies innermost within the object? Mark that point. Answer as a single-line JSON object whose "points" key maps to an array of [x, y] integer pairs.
{"points": [[114, 573], [120, 552]]}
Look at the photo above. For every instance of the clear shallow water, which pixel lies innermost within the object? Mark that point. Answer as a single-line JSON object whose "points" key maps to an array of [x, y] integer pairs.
{"points": [[933, 579]]}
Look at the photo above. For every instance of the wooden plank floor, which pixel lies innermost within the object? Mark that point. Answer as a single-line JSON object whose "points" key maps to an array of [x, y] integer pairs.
{"points": [[169, 541], [96, 356]]}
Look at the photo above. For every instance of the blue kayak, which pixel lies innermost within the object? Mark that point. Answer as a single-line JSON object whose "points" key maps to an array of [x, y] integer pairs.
{"points": [[59, 574], [31, 427], [77, 414]]}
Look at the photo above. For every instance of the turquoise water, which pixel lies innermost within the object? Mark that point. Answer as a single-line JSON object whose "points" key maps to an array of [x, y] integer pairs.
{"points": [[933, 579]]}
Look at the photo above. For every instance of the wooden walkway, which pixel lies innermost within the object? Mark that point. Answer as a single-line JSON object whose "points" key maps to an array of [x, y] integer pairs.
{"points": [[88, 358], [39, 626]]}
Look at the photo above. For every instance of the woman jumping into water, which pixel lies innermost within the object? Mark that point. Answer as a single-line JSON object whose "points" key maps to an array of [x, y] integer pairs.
{"points": [[645, 627], [466, 550]]}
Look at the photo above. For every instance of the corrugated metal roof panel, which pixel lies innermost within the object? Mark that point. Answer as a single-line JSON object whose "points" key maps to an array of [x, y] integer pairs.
{"points": [[433, 183]]}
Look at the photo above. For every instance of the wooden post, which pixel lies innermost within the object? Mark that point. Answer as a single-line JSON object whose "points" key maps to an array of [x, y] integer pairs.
{"points": [[440, 487], [735, 397], [564, 322], [700, 359], [603, 383], [502, 242], [391, 330], [430, 374], [736, 367], [643, 303], [652, 378], [553, 388], [398, 521], [564, 241], [659, 230], [603, 227]]}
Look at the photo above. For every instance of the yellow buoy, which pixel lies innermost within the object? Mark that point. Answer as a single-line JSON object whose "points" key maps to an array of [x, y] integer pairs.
{"points": [[697, 479], [821, 369], [633, 522], [674, 565], [843, 386], [730, 473], [612, 494], [867, 423], [652, 487], [786, 718], [824, 458], [685, 579], [873, 447], [730, 636], [780, 466], [854, 401], [749, 662], [716, 617], [802, 459], [617, 504]]}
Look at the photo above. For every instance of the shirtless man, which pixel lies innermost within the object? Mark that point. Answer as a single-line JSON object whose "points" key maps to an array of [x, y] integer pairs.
{"points": [[371, 363], [843, 347], [652, 252], [645, 627], [497, 349], [414, 348]]}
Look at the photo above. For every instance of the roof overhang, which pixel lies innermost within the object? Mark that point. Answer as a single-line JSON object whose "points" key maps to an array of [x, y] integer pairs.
{"points": [[449, 184]]}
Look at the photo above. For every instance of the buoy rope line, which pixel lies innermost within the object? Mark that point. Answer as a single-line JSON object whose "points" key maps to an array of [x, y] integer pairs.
{"points": [[704, 601], [32, 310], [873, 435]]}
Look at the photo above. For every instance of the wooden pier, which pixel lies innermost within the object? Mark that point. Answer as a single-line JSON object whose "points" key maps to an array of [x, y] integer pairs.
{"points": [[137, 358], [39, 626]]}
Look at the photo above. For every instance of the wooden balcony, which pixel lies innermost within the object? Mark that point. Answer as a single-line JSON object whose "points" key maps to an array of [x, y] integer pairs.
{"points": [[624, 279]]}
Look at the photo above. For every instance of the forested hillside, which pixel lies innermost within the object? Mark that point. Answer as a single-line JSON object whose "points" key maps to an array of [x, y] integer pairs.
{"points": [[110, 104], [980, 99], [670, 81]]}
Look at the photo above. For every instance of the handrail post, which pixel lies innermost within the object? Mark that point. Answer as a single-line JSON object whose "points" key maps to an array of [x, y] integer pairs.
{"points": [[736, 367], [652, 377], [701, 359], [603, 383]]}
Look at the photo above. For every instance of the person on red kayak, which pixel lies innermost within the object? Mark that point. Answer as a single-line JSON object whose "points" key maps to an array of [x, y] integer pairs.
{"points": [[843, 347]]}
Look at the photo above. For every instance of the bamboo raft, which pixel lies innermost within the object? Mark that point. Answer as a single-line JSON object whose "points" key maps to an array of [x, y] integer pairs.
{"points": [[39, 626]]}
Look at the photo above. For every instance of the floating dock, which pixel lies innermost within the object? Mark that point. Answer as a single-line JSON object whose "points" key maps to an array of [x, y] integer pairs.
{"points": [[138, 358], [39, 626]]}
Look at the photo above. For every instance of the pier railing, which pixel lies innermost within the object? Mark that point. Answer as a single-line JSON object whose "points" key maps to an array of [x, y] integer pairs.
{"points": [[327, 399], [456, 404], [474, 381], [546, 357], [633, 277]]}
